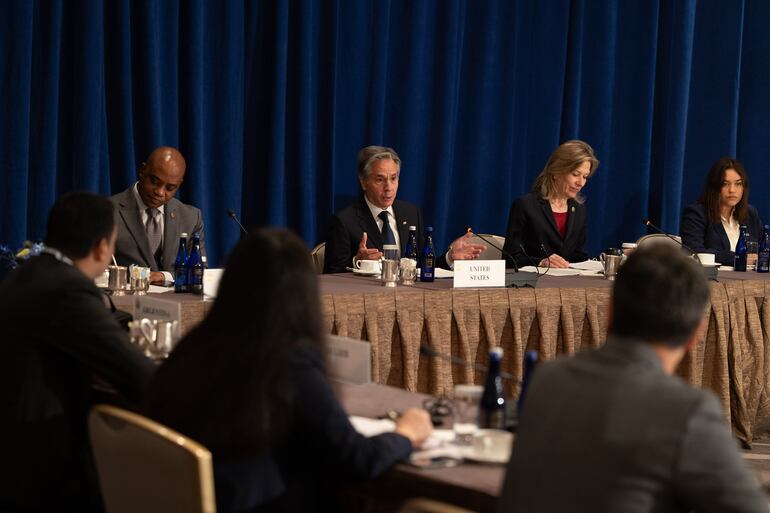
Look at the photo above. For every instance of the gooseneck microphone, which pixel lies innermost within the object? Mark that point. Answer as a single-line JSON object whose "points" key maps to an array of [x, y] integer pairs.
{"points": [[501, 250], [231, 213], [428, 351], [647, 222]]}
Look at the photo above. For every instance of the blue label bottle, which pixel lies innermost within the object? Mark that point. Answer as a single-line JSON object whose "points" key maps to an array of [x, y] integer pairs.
{"points": [[763, 259], [180, 265], [195, 266], [742, 250], [412, 251], [492, 406], [428, 267]]}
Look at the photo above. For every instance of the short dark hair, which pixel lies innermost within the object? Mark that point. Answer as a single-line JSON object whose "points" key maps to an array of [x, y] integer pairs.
{"points": [[713, 188], [78, 221], [660, 295]]}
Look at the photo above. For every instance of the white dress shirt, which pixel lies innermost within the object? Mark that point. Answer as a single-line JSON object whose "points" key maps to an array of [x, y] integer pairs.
{"points": [[375, 210], [733, 230]]}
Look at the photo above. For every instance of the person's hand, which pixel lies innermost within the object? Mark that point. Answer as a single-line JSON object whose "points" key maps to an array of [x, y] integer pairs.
{"points": [[365, 253], [157, 278], [556, 262], [414, 424], [462, 249]]}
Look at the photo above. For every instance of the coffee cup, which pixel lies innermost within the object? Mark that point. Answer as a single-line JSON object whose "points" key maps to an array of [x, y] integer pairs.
{"points": [[369, 266], [707, 258]]}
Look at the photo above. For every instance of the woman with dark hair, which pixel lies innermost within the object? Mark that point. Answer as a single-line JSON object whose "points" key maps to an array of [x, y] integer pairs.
{"points": [[249, 384], [549, 223], [712, 224]]}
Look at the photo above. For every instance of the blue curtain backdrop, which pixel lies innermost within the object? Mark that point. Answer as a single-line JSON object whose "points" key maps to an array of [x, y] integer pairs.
{"points": [[270, 101]]}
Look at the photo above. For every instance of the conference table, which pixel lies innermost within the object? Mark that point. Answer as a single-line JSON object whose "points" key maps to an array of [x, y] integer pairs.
{"points": [[470, 485], [562, 315]]}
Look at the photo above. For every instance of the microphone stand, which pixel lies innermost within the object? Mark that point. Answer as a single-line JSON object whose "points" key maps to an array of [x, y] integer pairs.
{"points": [[231, 213], [711, 271]]}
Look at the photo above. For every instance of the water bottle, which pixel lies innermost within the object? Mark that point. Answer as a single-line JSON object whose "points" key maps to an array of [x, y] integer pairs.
{"points": [[428, 268], [180, 265], [492, 406], [763, 260], [742, 250], [195, 266], [530, 361], [412, 251]]}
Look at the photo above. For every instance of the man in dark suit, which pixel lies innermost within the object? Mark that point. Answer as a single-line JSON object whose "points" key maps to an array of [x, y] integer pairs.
{"points": [[57, 336], [613, 429], [358, 232], [151, 219]]}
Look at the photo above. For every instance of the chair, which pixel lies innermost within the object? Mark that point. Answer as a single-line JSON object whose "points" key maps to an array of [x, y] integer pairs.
{"points": [[490, 253], [145, 466], [422, 505], [318, 257], [659, 238]]}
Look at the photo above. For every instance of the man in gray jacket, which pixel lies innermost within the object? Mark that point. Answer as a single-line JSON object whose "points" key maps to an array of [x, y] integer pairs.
{"points": [[613, 429], [150, 219]]}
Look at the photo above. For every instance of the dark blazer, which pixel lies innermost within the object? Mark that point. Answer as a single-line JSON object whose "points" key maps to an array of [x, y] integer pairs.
{"points": [[530, 224], [607, 430], [57, 336], [702, 235], [320, 453], [132, 246], [348, 225]]}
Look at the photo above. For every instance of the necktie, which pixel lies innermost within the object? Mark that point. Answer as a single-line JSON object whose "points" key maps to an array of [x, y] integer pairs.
{"points": [[153, 229], [387, 233]]}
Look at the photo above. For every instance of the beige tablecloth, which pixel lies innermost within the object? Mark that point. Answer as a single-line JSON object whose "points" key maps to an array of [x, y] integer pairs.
{"points": [[561, 316]]}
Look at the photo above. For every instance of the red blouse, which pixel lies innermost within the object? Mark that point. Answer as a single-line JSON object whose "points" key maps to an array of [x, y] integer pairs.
{"points": [[561, 222]]}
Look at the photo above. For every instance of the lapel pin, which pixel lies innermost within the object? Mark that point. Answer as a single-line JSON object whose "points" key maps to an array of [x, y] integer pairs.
{"points": [[573, 209], [173, 215]]}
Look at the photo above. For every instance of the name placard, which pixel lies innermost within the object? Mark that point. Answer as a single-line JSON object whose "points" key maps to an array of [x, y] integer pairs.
{"points": [[479, 273], [147, 307], [349, 360]]}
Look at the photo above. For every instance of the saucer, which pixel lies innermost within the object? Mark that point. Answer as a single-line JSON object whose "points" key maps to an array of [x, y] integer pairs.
{"points": [[476, 456], [363, 273]]}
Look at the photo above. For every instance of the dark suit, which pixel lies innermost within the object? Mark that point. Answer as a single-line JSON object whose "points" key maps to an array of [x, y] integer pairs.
{"points": [[349, 224], [133, 247], [531, 223], [703, 235], [57, 335], [608, 430]]}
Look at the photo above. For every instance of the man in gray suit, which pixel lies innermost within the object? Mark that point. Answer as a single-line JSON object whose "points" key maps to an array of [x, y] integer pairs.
{"points": [[151, 219], [613, 429]]}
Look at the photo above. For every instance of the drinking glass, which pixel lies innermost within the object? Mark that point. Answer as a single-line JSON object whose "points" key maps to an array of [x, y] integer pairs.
{"points": [[466, 409]]}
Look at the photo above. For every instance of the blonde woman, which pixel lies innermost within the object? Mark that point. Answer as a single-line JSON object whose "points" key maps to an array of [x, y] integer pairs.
{"points": [[548, 225]]}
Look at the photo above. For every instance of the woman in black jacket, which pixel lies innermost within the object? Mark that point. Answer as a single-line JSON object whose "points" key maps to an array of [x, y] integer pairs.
{"points": [[249, 384], [548, 225], [712, 224]]}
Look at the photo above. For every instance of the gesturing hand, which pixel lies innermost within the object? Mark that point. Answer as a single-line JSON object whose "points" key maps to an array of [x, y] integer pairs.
{"points": [[365, 253], [462, 249]]}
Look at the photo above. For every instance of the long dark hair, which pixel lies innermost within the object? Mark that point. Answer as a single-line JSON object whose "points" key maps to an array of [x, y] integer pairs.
{"points": [[713, 188], [228, 383]]}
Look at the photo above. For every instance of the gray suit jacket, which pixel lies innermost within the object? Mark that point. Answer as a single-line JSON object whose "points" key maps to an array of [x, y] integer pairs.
{"points": [[132, 246], [608, 430]]}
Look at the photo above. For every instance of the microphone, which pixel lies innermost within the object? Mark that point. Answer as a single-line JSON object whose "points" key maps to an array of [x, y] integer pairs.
{"points": [[647, 222], [428, 351], [512, 279], [231, 213], [501, 250]]}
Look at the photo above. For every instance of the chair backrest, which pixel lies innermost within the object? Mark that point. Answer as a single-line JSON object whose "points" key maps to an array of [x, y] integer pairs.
{"points": [[422, 505], [145, 466], [318, 257], [490, 253], [659, 238]]}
